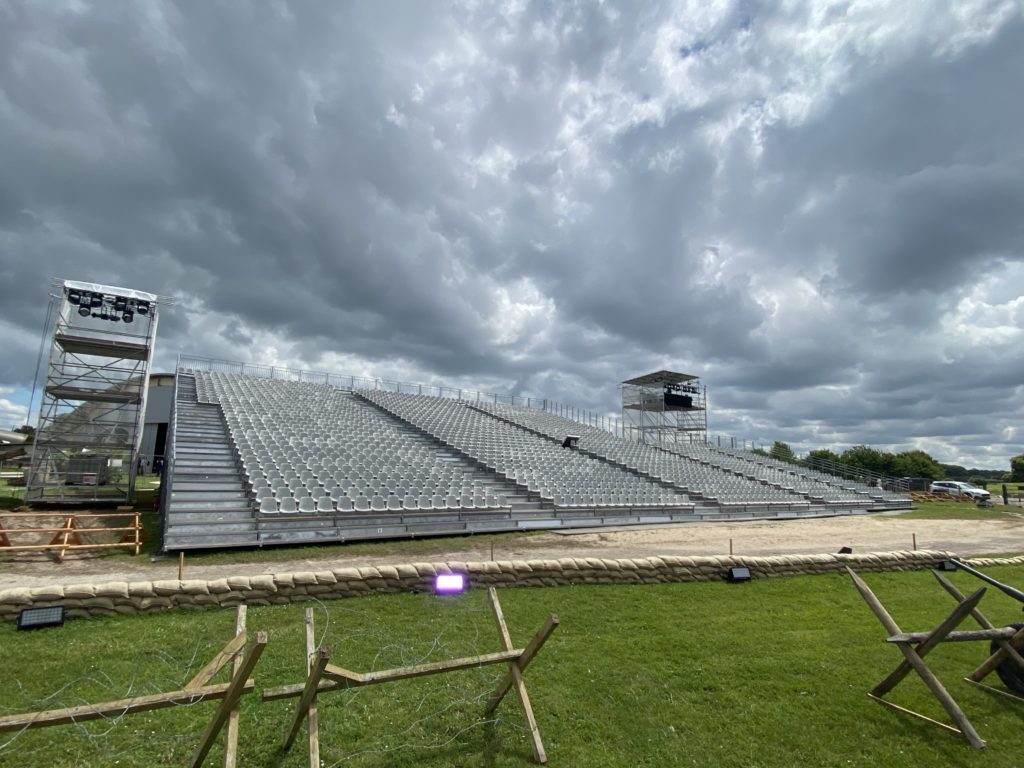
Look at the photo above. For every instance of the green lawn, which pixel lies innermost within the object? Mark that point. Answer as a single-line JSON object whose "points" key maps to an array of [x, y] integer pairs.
{"points": [[11, 497], [956, 510], [770, 673]]}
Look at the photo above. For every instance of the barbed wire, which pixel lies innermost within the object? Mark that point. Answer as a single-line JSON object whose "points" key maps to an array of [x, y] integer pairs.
{"points": [[438, 703]]}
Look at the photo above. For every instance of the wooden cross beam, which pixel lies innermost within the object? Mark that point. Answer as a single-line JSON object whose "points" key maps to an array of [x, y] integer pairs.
{"points": [[1007, 639], [517, 680], [914, 651], [231, 734], [322, 677], [197, 689], [230, 701]]}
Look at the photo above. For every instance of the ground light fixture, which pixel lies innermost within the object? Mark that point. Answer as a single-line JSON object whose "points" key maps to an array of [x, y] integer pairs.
{"points": [[37, 618], [450, 583], [739, 573]]}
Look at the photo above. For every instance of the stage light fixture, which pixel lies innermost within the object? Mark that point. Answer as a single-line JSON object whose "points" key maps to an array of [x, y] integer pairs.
{"points": [[74, 297], [120, 304], [37, 618], [450, 583], [128, 317], [84, 311], [143, 308], [739, 573], [97, 300]]}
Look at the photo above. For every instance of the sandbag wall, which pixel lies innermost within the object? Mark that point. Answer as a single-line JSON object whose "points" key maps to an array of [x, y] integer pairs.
{"points": [[137, 597]]}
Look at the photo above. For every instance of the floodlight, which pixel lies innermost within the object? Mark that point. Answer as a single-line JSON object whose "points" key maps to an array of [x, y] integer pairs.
{"points": [[97, 300], [37, 618], [128, 316], [739, 573], [450, 583], [74, 297], [83, 311], [947, 565], [120, 304], [143, 307]]}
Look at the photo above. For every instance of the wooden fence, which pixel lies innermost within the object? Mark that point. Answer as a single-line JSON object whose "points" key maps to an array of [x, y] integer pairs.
{"points": [[71, 534]]}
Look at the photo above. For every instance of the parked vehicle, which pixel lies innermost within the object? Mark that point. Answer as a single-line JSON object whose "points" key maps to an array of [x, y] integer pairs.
{"points": [[954, 488]]}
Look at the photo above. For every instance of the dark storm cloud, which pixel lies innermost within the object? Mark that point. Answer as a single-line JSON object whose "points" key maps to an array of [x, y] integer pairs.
{"points": [[814, 209]]}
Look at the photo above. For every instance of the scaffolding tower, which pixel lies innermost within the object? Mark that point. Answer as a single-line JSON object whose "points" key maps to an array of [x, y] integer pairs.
{"points": [[93, 394], [665, 407]]}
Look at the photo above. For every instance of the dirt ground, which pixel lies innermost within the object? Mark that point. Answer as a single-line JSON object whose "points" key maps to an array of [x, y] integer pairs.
{"points": [[877, 533]]}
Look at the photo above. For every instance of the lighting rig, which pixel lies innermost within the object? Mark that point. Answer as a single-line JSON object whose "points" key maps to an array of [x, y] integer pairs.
{"points": [[107, 307]]}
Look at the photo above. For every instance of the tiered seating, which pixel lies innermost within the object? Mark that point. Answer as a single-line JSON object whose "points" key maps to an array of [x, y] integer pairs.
{"points": [[312, 449], [566, 478], [809, 481], [707, 481]]}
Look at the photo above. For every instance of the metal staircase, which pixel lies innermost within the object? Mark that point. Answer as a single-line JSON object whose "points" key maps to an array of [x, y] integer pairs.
{"points": [[208, 503]]}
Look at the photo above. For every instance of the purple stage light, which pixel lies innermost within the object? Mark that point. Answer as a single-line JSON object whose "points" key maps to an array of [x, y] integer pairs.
{"points": [[449, 583]]}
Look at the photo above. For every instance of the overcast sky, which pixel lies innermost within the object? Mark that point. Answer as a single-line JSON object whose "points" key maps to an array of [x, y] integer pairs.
{"points": [[817, 207]]}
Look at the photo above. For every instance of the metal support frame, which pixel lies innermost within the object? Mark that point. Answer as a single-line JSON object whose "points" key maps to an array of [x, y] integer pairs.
{"points": [[648, 415], [93, 394]]}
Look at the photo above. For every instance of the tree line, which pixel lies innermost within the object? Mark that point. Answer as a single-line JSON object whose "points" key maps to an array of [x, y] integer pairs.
{"points": [[915, 463]]}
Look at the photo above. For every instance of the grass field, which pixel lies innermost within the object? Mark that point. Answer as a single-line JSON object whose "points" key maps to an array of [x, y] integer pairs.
{"points": [[769, 673]]}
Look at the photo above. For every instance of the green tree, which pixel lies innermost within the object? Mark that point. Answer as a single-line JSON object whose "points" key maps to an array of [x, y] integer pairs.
{"points": [[782, 452], [28, 431], [1017, 469], [871, 459], [823, 454], [917, 464]]}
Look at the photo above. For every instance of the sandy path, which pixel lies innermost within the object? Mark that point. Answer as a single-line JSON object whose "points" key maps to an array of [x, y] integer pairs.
{"points": [[880, 533]]}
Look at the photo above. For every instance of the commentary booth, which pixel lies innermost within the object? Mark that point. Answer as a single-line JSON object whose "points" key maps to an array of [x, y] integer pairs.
{"points": [[665, 407]]}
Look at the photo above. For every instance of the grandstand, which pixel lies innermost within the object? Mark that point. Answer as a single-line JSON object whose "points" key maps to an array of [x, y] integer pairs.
{"points": [[256, 460]]}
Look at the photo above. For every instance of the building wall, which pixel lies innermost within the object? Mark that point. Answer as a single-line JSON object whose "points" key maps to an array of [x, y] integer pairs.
{"points": [[159, 400]]}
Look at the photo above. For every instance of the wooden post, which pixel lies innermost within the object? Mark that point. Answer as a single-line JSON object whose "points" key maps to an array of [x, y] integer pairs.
{"points": [[1007, 648], [308, 694], [231, 735], [913, 538], [913, 658], [230, 700], [181, 565], [535, 644], [517, 680], [314, 722]]}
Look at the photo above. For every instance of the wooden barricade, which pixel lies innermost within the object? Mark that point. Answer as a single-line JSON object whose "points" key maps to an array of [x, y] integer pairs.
{"points": [[321, 677], [915, 646], [69, 535], [199, 688]]}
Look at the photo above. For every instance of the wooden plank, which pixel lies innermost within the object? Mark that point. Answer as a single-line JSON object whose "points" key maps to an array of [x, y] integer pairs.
{"points": [[340, 678], [539, 755], [230, 700], [4, 541], [216, 664], [959, 636], [934, 637], [531, 650], [308, 694], [906, 711], [104, 709], [70, 547], [314, 721], [231, 735], [874, 604]]}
